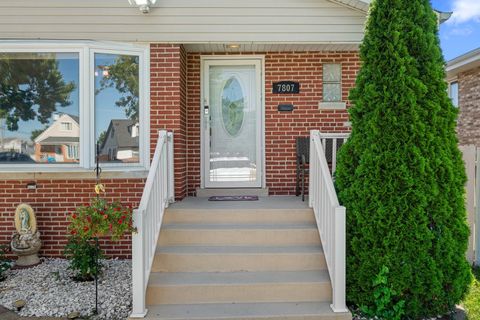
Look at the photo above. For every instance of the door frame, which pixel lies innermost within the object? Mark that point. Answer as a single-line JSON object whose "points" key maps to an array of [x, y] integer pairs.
{"points": [[235, 60]]}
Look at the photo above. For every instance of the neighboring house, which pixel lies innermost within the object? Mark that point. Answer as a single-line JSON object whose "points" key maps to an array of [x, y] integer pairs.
{"points": [[13, 144], [60, 141], [463, 76], [121, 141]]}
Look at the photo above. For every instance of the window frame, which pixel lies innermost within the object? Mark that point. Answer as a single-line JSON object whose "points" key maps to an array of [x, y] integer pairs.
{"points": [[452, 81], [86, 147], [332, 82], [69, 126]]}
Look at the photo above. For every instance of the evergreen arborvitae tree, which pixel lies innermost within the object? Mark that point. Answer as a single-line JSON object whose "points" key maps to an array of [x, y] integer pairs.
{"points": [[401, 175]]}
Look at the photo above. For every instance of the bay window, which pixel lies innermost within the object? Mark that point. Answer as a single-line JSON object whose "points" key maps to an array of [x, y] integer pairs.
{"points": [[59, 100]]}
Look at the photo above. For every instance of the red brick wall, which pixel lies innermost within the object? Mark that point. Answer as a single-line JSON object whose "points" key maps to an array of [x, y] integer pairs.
{"points": [[281, 129], [54, 200], [168, 104]]}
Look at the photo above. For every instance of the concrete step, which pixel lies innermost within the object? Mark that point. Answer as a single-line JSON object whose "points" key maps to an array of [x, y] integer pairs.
{"points": [[238, 287], [238, 258], [238, 215], [247, 311], [239, 234]]}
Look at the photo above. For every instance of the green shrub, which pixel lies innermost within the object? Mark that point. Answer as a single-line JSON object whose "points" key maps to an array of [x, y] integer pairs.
{"points": [[400, 174], [4, 262], [388, 305], [84, 257]]}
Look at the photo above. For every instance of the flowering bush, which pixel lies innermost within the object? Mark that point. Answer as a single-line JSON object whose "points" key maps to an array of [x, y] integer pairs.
{"points": [[101, 218], [84, 255]]}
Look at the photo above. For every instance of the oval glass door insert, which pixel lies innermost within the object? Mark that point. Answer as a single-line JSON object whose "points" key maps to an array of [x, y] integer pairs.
{"points": [[233, 105]]}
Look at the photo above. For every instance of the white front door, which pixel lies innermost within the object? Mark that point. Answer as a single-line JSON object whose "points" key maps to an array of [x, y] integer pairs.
{"points": [[232, 133]]}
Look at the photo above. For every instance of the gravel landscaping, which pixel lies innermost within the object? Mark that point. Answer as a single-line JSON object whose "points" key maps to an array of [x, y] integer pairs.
{"points": [[49, 290]]}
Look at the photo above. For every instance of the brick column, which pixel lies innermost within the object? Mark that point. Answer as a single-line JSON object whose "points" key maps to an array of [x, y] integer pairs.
{"points": [[168, 104]]}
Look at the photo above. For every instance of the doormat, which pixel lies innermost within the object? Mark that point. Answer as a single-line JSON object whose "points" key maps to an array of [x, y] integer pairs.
{"points": [[233, 198]]}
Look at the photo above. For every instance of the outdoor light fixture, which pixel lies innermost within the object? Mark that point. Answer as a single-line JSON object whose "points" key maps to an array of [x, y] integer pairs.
{"points": [[233, 46], [143, 5]]}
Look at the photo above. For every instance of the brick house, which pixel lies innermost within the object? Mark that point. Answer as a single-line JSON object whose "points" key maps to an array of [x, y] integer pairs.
{"points": [[234, 84], [463, 76]]}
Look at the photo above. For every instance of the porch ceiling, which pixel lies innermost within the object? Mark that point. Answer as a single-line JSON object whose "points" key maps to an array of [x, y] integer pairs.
{"points": [[269, 47]]}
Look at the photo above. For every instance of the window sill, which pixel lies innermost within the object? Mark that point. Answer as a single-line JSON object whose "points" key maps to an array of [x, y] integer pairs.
{"points": [[332, 105], [73, 174]]}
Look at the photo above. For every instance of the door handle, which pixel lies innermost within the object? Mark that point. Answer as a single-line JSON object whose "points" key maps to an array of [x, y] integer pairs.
{"points": [[206, 117]]}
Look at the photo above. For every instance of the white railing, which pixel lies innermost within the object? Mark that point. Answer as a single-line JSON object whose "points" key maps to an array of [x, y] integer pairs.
{"points": [[157, 194], [337, 139], [330, 217]]}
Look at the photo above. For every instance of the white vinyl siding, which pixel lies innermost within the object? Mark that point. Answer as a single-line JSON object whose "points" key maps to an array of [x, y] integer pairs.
{"points": [[184, 21]]}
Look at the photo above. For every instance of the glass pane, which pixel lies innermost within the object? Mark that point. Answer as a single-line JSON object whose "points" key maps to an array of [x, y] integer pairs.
{"points": [[454, 93], [332, 72], [233, 134], [233, 105], [332, 92], [117, 127], [39, 111]]}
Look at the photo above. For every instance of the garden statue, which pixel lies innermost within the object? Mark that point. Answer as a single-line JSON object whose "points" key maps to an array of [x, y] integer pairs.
{"points": [[26, 240]]}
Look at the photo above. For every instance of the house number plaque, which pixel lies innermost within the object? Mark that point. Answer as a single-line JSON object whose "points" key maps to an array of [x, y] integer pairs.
{"points": [[286, 87]]}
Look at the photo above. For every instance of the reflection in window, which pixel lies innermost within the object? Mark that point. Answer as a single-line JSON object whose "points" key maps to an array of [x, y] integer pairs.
{"points": [[232, 106], [117, 107], [67, 126], [332, 86], [38, 93]]}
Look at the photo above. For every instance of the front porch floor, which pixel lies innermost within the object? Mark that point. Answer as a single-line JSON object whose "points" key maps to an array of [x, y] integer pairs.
{"points": [[263, 203]]}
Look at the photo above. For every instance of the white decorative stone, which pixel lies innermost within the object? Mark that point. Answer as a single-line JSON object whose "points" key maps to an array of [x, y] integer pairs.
{"points": [[50, 291]]}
